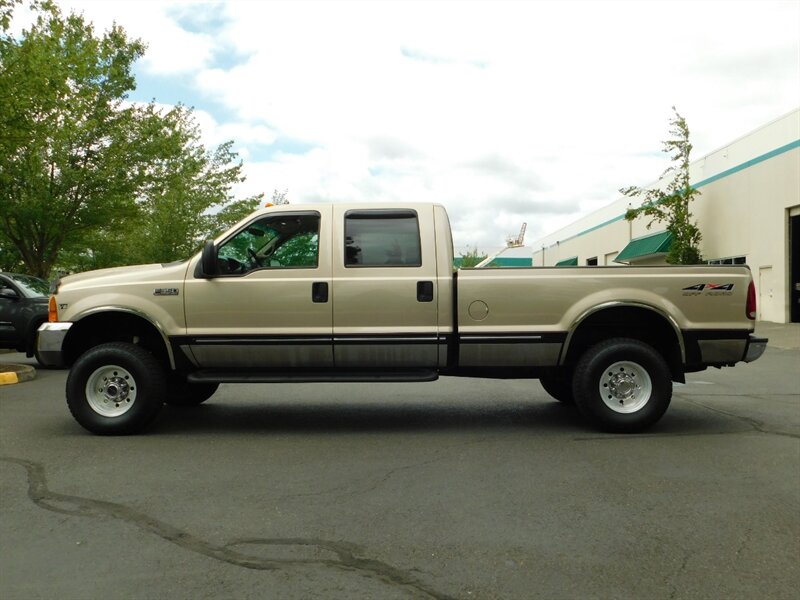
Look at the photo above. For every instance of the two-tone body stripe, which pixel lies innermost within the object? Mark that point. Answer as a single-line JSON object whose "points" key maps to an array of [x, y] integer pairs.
{"points": [[513, 338]]}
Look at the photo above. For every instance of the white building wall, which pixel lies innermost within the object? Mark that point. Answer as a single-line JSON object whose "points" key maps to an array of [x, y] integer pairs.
{"points": [[748, 189]]}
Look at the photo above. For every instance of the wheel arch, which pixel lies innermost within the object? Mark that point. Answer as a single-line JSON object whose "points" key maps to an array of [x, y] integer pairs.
{"points": [[117, 324], [633, 320]]}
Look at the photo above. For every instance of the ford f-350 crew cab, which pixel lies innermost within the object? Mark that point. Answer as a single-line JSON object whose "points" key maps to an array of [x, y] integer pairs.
{"points": [[367, 292]]}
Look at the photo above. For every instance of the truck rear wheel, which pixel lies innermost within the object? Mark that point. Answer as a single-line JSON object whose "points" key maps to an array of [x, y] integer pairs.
{"points": [[115, 389], [622, 385]]}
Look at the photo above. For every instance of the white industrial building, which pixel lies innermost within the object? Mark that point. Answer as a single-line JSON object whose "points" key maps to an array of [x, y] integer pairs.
{"points": [[748, 213]]}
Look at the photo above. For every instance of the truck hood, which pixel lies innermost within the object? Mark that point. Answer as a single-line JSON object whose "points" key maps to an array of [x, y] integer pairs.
{"points": [[102, 277]]}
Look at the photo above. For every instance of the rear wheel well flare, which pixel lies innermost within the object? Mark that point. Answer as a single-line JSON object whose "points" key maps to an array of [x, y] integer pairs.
{"points": [[635, 321]]}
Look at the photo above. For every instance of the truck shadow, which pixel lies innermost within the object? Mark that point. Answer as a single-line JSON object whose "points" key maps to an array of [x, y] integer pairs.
{"points": [[365, 418], [539, 416]]}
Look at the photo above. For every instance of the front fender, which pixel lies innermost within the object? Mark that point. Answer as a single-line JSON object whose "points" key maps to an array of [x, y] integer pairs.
{"points": [[127, 310]]}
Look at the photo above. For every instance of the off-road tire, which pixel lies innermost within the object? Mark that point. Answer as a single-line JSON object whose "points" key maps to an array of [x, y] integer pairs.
{"points": [[622, 385], [115, 389]]}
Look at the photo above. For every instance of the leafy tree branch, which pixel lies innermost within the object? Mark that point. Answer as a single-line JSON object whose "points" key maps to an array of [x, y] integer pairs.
{"points": [[671, 205], [87, 178]]}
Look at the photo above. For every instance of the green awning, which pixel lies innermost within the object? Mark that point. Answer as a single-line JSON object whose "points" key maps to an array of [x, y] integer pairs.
{"points": [[646, 247], [572, 261]]}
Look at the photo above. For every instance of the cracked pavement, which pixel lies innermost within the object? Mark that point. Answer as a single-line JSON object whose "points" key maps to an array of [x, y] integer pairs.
{"points": [[453, 489]]}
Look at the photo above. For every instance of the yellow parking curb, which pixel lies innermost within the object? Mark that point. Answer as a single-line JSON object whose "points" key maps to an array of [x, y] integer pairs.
{"points": [[16, 373], [8, 378]]}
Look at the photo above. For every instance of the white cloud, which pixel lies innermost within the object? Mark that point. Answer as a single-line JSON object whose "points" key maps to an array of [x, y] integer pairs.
{"points": [[503, 111], [171, 49]]}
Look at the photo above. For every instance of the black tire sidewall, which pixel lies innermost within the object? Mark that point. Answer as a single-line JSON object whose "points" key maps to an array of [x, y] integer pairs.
{"points": [[593, 364], [145, 370]]}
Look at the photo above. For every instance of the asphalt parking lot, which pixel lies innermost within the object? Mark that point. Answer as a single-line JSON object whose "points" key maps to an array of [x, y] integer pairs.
{"points": [[453, 489]]}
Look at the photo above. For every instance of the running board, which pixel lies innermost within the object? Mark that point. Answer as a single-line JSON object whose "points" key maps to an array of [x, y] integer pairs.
{"points": [[333, 376]]}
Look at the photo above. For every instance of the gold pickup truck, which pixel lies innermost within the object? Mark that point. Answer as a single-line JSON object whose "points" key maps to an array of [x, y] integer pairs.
{"points": [[367, 293]]}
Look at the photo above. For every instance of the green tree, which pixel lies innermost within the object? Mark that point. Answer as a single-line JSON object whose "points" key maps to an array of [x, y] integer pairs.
{"points": [[279, 197], [230, 214], [10, 260], [184, 197], [6, 10], [236, 211], [65, 144], [186, 194], [671, 205], [470, 258], [86, 179]]}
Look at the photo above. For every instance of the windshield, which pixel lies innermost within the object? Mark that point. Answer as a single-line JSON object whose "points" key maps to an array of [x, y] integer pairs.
{"points": [[32, 286]]}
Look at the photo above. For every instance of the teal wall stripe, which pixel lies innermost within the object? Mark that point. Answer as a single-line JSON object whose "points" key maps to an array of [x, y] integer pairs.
{"points": [[712, 179], [749, 163]]}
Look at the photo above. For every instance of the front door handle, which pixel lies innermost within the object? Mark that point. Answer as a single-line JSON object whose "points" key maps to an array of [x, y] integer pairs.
{"points": [[424, 291], [319, 292]]}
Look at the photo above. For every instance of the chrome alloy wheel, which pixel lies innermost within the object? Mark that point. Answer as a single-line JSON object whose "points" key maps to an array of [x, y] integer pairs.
{"points": [[111, 391], [625, 387]]}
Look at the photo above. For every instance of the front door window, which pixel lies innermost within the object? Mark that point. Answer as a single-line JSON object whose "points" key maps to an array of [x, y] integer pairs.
{"points": [[288, 241]]}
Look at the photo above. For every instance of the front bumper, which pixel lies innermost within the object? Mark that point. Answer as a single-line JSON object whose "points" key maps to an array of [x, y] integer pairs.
{"points": [[755, 348], [49, 340]]}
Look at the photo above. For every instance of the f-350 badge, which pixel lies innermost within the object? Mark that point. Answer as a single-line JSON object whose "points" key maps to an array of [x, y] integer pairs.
{"points": [[165, 292]]}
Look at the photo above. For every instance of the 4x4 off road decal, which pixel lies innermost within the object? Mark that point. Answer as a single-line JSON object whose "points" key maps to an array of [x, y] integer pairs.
{"points": [[715, 289]]}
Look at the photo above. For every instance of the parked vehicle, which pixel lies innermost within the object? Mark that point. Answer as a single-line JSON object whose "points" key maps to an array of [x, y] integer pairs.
{"points": [[367, 292], [23, 308]]}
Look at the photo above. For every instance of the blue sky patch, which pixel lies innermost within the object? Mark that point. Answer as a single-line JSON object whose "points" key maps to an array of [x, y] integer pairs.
{"points": [[282, 145], [174, 89], [226, 58], [199, 17], [163, 89]]}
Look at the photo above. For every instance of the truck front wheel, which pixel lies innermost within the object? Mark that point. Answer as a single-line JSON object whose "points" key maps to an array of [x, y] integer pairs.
{"points": [[622, 385], [115, 389]]}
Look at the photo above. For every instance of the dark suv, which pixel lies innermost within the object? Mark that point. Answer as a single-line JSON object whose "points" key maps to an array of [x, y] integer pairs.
{"points": [[23, 307]]}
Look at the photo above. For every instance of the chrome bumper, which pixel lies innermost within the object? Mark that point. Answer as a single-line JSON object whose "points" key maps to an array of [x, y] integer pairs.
{"points": [[49, 341], [755, 348]]}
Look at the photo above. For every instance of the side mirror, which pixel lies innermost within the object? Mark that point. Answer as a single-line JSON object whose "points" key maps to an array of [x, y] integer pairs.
{"points": [[8, 294], [208, 260]]}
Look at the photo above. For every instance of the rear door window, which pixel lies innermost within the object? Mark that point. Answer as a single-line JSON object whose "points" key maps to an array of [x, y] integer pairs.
{"points": [[380, 238]]}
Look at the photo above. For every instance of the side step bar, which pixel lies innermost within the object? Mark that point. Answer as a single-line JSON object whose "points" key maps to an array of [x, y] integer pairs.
{"points": [[333, 376]]}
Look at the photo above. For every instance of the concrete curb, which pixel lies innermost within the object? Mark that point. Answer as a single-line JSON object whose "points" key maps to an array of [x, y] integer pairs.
{"points": [[10, 374]]}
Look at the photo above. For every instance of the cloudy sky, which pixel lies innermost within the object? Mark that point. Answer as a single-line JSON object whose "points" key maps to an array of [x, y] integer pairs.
{"points": [[505, 112]]}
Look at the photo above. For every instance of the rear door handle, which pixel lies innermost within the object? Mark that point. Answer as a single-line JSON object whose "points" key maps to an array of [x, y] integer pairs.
{"points": [[424, 291], [319, 292]]}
